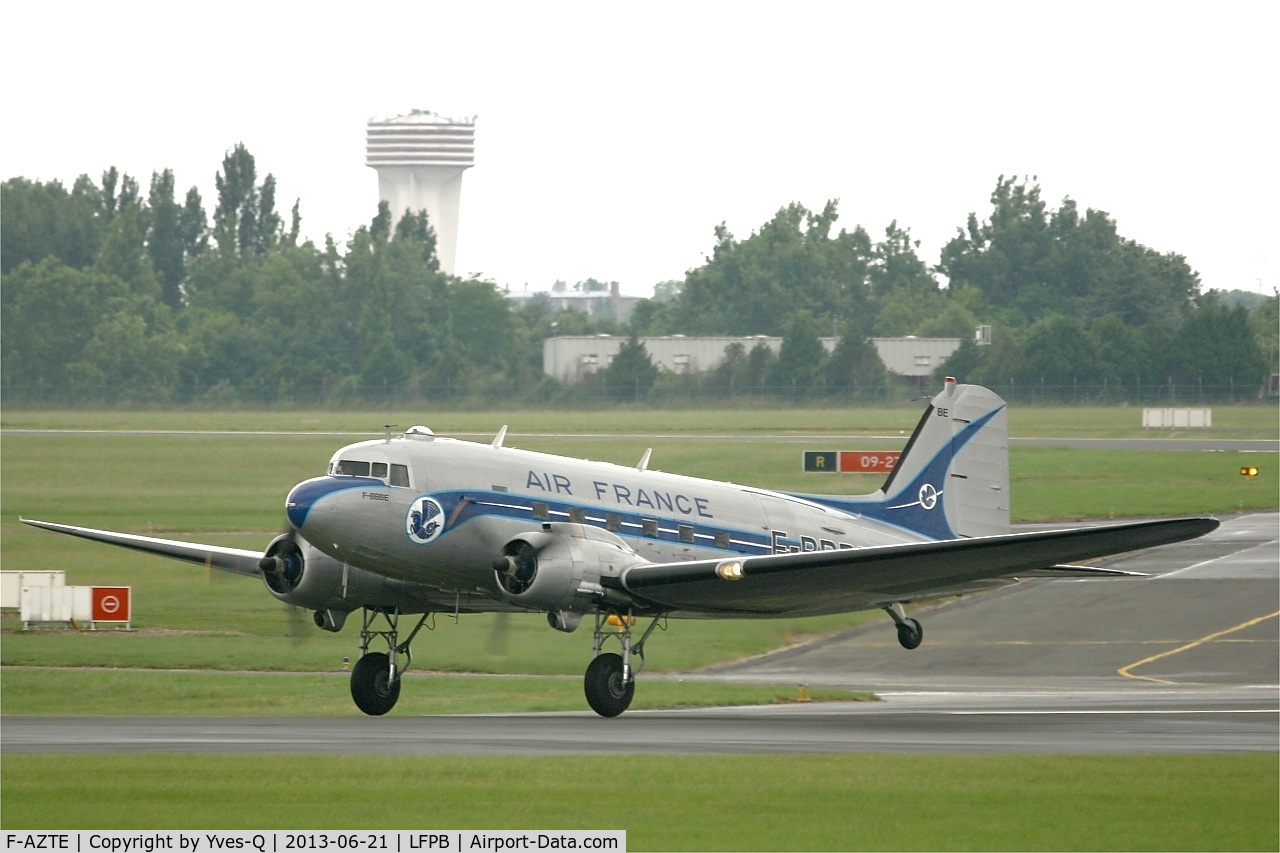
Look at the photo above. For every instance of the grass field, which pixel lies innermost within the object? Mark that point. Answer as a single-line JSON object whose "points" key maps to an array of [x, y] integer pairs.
{"points": [[115, 692], [1234, 421], [800, 802], [229, 489]]}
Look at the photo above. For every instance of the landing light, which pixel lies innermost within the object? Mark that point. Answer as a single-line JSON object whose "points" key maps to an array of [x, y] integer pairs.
{"points": [[1249, 471], [730, 570]]}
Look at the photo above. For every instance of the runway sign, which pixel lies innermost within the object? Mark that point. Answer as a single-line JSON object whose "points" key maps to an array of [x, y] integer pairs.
{"points": [[851, 461]]}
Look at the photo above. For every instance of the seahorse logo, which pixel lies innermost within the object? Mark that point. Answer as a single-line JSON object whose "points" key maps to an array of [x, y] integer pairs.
{"points": [[425, 520]]}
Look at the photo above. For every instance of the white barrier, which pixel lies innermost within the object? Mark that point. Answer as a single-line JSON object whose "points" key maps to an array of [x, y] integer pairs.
{"points": [[11, 584], [1177, 418], [76, 605]]}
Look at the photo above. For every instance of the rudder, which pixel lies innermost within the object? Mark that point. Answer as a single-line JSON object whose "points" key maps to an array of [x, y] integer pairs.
{"points": [[952, 479]]}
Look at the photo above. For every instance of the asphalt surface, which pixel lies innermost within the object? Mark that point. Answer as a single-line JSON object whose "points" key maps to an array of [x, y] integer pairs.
{"points": [[1185, 661]]}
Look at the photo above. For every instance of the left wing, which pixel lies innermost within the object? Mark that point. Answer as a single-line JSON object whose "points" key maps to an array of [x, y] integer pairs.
{"points": [[861, 578], [236, 560]]}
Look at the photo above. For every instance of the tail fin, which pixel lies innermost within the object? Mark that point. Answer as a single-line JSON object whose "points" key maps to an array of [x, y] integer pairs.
{"points": [[952, 479]]}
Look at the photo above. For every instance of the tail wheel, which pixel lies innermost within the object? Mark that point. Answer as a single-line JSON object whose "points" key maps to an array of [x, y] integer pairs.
{"points": [[608, 692], [371, 685], [910, 634]]}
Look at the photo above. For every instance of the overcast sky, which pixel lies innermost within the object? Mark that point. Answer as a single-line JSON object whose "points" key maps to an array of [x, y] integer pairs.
{"points": [[612, 138]]}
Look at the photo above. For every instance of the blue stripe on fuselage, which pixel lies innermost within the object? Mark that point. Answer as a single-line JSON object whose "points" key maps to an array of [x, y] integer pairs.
{"points": [[463, 506], [308, 493]]}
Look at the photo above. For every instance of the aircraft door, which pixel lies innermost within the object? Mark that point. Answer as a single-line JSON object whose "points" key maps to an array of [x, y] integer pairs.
{"points": [[778, 518]]}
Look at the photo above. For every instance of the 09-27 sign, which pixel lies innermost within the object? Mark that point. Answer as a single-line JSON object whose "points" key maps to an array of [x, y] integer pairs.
{"points": [[851, 461]]}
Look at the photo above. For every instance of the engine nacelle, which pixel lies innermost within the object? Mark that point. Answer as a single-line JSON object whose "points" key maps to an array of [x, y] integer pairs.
{"points": [[559, 568], [297, 573]]}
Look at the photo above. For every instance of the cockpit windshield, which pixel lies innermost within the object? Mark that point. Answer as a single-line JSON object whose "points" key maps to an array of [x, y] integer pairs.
{"points": [[391, 474]]}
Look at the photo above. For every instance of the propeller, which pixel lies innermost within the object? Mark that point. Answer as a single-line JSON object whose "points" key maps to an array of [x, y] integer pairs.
{"points": [[282, 566], [499, 635], [517, 566]]}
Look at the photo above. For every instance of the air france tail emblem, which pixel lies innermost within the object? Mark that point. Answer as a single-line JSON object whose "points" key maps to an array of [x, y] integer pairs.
{"points": [[927, 498], [425, 520]]}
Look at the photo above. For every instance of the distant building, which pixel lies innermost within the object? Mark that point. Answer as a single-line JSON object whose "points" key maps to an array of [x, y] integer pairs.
{"points": [[915, 358], [597, 304], [570, 359], [420, 158]]}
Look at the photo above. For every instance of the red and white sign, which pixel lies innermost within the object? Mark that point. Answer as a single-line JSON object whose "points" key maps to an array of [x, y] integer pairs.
{"points": [[111, 603], [873, 461]]}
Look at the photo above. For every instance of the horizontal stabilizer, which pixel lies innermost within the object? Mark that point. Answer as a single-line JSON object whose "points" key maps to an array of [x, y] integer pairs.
{"points": [[1082, 572]]}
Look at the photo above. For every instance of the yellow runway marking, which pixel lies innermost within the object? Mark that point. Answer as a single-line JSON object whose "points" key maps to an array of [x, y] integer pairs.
{"points": [[1126, 670]]}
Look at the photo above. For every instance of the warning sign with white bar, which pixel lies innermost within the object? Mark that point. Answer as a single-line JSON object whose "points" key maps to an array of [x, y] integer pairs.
{"points": [[111, 604]]}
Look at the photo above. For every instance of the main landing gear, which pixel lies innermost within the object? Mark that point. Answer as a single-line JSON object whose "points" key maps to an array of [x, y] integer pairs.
{"points": [[910, 631], [610, 681], [375, 679]]}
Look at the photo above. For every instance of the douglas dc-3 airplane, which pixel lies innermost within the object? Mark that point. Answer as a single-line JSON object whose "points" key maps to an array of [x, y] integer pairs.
{"points": [[422, 524]]}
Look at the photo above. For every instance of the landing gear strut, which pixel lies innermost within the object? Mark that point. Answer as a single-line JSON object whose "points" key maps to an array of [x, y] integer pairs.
{"points": [[375, 679], [610, 681], [910, 631]]}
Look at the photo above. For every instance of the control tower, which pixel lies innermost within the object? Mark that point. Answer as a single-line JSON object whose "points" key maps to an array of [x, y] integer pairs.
{"points": [[420, 158]]}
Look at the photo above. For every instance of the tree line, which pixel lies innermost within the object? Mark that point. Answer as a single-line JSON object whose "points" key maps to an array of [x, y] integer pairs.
{"points": [[111, 295]]}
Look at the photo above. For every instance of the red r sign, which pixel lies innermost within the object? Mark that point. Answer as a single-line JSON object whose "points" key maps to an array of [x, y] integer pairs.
{"points": [[111, 604]]}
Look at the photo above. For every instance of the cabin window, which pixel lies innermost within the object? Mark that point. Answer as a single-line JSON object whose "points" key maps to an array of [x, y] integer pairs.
{"points": [[541, 511], [612, 522], [577, 515], [650, 526], [722, 539], [686, 533]]}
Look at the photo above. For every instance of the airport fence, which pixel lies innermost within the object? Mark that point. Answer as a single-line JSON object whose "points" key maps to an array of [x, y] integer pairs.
{"points": [[668, 391]]}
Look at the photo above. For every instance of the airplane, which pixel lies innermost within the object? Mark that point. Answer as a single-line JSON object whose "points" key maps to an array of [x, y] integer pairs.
{"points": [[419, 524]]}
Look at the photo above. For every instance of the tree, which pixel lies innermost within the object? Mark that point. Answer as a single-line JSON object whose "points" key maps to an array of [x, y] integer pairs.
{"points": [[793, 264], [1056, 353], [631, 373], [1005, 253], [124, 253], [164, 243], [800, 356], [1216, 348], [245, 221], [854, 365], [39, 221], [50, 312], [1121, 356], [193, 225], [1028, 264]]}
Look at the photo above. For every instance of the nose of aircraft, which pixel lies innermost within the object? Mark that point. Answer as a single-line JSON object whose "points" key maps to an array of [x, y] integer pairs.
{"points": [[304, 496]]}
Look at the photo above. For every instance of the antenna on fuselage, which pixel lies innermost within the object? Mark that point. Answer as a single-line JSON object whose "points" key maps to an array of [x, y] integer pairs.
{"points": [[644, 460], [386, 429], [500, 437]]}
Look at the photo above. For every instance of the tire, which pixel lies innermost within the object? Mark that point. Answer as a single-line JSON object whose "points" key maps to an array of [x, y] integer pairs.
{"points": [[606, 694], [369, 687], [910, 634]]}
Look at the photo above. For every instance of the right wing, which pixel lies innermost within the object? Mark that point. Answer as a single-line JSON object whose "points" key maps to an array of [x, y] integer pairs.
{"points": [[236, 560], [862, 578]]}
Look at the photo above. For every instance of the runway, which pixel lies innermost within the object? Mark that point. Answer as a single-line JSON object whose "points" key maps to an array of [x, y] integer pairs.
{"points": [[1185, 661]]}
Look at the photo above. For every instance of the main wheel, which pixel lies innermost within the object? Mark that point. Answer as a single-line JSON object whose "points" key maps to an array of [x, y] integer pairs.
{"points": [[606, 693], [910, 634], [371, 685]]}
